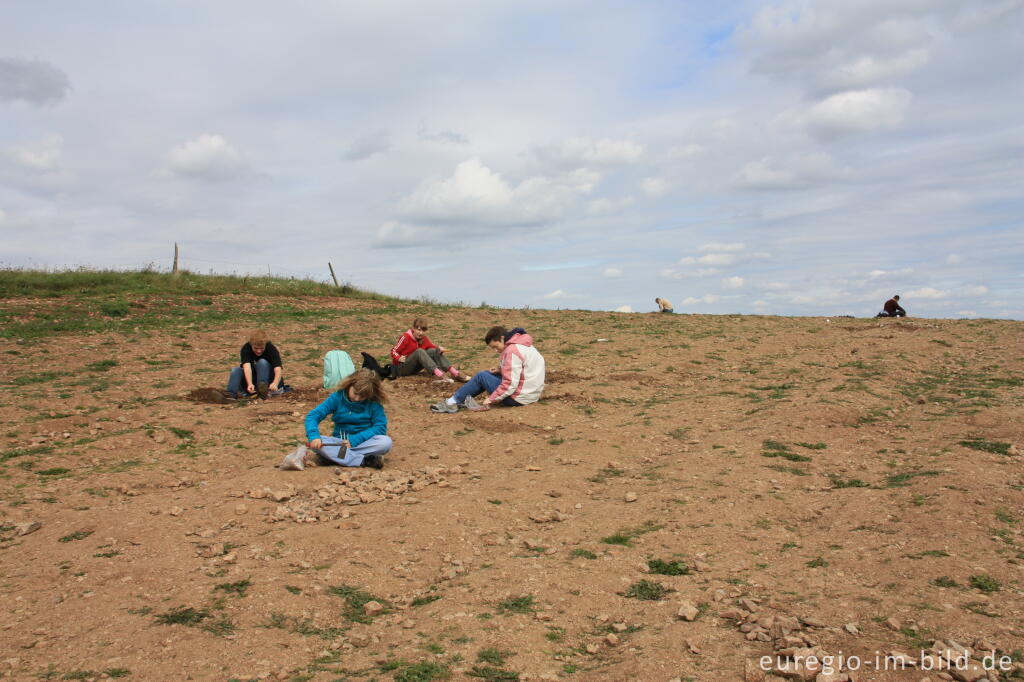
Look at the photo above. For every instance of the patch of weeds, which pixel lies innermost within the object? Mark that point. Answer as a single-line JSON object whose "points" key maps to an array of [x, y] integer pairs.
{"points": [[944, 581], [184, 434], [117, 672], [423, 601], [464, 432], [787, 470], [625, 536], [647, 590], [182, 615], [773, 448], [678, 434], [107, 555], [812, 446], [77, 535], [555, 441], [847, 483], [355, 598], [987, 446], [1002, 514], [58, 472], [554, 634], [101, 366], [237, 589], [293, 589], [980, 608], [606, 473], [524, 604], [492, 655], [582, 553], [116, 308], [423, 671], [220, 628], [903, 480], [985, 583], [817, 562], [492, 674], [25, 452], [661, 567]]}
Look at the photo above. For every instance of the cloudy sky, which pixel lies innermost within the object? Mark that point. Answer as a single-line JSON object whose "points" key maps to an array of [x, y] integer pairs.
{"points": [[793, 157]]}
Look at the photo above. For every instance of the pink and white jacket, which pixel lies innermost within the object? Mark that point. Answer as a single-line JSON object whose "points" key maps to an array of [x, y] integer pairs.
{"points": [[522, 371]]}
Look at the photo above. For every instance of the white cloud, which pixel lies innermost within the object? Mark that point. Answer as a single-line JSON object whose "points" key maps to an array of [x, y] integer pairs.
{"points": [[733, 282], [775, 286], [367, 145], [712, 259], [208, 157], [977, 290], [557, 293], [443, 136], [924, 292], [954, 259], [605, 206], [623, 309], [870, 69], [789, 171], [707, 298], [33, 81], [966, 313], [655, 187], [859, 111], [721, 247], [801, 300], [584, 151], [476, 194], [612, 272], [43, 157], [3, 216]]}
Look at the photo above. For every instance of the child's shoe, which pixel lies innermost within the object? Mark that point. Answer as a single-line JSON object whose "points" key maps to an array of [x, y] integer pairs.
{"points": [[461, 377], [473, 406], [262, 390], [373, 461], [444, 408]]}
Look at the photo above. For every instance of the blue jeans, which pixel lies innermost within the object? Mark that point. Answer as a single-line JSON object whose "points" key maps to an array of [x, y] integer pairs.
{"points": [[375, 445], [482, 381], [263, 372]]}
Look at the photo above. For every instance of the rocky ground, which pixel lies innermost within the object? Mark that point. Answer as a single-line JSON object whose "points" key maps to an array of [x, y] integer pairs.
{"points": [[695, 498]]}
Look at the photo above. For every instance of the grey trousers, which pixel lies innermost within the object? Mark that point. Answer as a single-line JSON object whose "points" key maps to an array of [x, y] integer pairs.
{"points": [[420, 359]]}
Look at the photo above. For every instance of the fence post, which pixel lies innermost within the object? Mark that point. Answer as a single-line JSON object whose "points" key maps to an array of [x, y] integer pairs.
{"points": [[332, 275], [174, 268]]}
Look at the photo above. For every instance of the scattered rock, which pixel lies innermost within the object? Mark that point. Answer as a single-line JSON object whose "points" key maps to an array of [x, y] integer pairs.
{"points": [[630, 497], [373, 608], [612, 639], [27, 527], [687, 611], [851, 628]]}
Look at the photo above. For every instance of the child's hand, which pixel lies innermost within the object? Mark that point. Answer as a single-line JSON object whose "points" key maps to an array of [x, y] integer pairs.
{"points": [[401, 358], [345, 443], [441, 349], [250, 388], [316, 443], [493, 370]]}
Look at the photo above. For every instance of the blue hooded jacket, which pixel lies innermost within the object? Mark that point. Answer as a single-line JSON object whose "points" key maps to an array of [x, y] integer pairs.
{"points": [[360, 419]]}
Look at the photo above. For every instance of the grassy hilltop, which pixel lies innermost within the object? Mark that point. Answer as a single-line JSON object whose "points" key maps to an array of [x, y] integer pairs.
{"points": [[693, 492]]}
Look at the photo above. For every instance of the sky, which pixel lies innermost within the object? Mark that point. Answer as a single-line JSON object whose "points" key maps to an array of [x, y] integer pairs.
{"points": [[788, 158]]}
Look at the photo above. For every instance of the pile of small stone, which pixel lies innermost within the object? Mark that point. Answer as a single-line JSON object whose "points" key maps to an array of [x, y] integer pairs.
{"points": [[355, 487]]}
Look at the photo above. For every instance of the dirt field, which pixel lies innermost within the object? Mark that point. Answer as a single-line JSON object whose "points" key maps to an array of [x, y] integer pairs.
{"points": [[692, 493]]}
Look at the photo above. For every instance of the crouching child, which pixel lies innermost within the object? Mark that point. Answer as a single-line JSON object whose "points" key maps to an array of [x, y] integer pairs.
{"points": [[517, 380], [360, 430]]}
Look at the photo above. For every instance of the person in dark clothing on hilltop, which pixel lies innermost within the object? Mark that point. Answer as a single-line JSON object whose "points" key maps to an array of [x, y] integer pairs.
{"points": [[892, 308], [259, 372]]}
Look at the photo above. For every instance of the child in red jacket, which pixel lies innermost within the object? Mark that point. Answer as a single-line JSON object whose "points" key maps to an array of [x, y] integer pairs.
{"points": [[414, 352]]}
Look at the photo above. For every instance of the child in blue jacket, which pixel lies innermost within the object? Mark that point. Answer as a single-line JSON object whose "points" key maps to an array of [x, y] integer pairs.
{"points": [[360, 425]]}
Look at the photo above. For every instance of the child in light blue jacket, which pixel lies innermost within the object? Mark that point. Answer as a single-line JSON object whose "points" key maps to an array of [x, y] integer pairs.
{"points": [[360, 430]]}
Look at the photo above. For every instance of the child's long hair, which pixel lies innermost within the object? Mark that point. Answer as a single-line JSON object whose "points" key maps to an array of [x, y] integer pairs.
{"points": [[366, 384]]}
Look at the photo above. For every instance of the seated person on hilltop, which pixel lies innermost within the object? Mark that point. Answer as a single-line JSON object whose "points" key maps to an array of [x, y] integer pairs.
{"points": [[259, 372], [663, 305], [517, 380], [892, 308], [414, 352]]}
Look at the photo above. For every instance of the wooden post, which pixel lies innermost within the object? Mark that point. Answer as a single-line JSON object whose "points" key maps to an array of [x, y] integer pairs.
{"points": [[174, 268], [332, 275]]}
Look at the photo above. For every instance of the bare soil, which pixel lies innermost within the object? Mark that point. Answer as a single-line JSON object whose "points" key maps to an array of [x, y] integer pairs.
{"points": [[856, 484]]}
